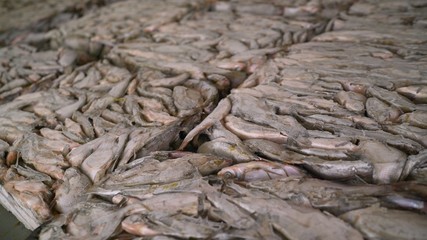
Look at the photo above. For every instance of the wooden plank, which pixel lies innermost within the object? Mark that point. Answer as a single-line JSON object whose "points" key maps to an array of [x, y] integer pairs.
{"points": [[17, 208]]}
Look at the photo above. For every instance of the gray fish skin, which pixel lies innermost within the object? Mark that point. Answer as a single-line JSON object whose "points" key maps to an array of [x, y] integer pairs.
{"points": [[222, 109], [392, 98], [333, 197], [224, 143], [72, 190], [292, 221], [387, 162], [98, 163], [381, 223], [153, 171], [94, 214]]}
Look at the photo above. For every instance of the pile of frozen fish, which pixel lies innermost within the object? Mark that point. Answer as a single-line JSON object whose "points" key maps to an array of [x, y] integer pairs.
{"points": [[277, 119], [21, 18], [23, 69]]}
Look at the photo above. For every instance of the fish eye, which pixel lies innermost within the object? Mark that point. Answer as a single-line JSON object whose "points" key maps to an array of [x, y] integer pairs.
{"points": [[228, 175]]}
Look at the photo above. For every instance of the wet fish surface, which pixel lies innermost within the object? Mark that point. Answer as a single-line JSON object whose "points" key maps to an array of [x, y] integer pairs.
{"points": [[214, 119]]}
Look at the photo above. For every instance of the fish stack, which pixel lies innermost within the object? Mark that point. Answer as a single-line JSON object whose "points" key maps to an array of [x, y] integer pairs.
{"points": [[24, 69], [96, 118], [219, 119], [231, 37], [118, 22], [23, 19]]}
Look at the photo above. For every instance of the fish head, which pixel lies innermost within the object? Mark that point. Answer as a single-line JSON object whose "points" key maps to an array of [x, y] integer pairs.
{"points": [[208, 164]]}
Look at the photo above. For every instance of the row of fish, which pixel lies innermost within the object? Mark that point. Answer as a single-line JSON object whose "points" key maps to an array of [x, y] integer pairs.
{"points": [[171, 195], [229, 39]]}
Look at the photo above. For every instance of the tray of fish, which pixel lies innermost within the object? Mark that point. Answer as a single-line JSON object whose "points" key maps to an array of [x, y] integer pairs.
{"points": [[252, 119], [25, 69]]}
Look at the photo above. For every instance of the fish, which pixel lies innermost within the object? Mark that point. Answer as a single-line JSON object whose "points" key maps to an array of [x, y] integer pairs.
{"points": [[67, 111], [95, 219], [152, 172], [251, 109], [222, 109], [334, 197], [259, 170], [247, 130], [71, 190], [392, 98], [45, 155], [381, 112], [417, 118], [98, 163], [226, 144], [208, 91], [352, 101], [292, 221], [417, 93], [387, 162], [414, 133], [186, 100], [224, 209], [371, 222]]}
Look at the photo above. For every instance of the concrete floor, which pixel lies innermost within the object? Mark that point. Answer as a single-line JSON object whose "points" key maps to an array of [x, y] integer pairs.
{"points": [[10, 227]]}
